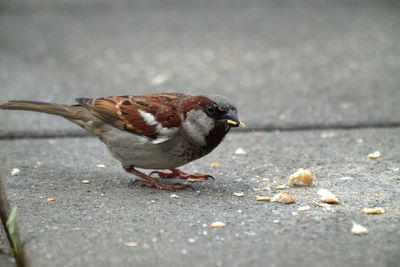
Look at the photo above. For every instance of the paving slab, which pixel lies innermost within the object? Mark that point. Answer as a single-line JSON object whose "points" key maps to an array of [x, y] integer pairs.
{"points": [[6, 257], [110, 222], [286, 64]]}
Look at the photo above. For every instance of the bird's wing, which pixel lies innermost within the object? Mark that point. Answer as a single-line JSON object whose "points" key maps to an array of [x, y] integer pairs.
{"points": [[154, 116]]}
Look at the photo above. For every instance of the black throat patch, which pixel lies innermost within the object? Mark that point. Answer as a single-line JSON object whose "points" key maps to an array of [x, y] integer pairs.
{"points": [[214, 138]]}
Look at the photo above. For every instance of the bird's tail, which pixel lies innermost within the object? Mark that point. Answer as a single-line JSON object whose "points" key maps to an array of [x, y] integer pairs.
{"points": [[68, 112]]}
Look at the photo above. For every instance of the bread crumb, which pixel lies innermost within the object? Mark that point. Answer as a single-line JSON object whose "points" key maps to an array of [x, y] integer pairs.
{"points": [[50, 199], [304, 208], [240, 124], [240, 151], [376, 210], [330, 134], [283, 198], [346, 178], [327, 197], [256, 189], [174, 196], [302, 176], [358, 229], [260, 198], [194, 180], [267, 188], [217, 225], [85, 182], [374, 155], [241, 194], [379, 195], [15, 172], [280, 187], [324, 206], [215, 164], [75, 229], [131, 244], [101, 166]]}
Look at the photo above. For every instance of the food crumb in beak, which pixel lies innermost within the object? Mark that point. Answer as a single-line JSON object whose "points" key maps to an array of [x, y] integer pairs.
{"points": [[241, 124]]}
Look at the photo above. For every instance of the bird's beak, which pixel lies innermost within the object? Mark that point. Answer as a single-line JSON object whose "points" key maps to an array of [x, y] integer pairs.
{"points": [[233, 120]]}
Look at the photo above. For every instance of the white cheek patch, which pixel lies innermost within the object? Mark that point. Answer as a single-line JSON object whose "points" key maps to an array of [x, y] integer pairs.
{"points": [[148, 118], [198, 125]]}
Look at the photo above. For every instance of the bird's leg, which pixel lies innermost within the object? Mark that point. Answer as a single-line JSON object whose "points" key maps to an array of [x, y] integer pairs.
{"points": [[151, 182], [175, 173]]}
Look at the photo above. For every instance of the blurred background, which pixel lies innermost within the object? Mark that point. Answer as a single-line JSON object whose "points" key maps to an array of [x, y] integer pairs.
{"points": [[285, 63]]}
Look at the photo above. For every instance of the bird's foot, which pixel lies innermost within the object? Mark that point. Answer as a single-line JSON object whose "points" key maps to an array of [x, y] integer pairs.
{"points": [[175, 173], [151, 182]]}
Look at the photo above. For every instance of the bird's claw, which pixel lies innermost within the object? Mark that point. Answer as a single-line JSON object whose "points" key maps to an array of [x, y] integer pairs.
{"points": [[175, 173]]}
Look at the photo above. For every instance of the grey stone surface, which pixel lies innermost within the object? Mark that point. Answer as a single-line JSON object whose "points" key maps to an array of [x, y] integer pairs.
{"points": [[6, 257], [175, 231], [285, 63]]}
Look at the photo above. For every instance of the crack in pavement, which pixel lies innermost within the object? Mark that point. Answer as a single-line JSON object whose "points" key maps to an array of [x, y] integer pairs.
{"points": [[32, 134]]}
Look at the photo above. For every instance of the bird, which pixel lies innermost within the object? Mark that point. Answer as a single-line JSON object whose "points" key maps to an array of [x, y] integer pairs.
{"points": [[153, 131]]}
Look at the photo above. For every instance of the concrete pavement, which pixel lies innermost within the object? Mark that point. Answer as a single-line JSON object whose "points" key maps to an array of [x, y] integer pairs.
{"points": [[289, 65], [6, 257], [93, 224]]}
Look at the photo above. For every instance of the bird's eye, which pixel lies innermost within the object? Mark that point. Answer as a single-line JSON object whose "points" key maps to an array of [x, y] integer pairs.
{"points": [[212, 109]]}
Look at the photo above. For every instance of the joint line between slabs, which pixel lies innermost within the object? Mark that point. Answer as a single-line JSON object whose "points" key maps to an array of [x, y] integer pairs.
{"points": [[80, 134]]}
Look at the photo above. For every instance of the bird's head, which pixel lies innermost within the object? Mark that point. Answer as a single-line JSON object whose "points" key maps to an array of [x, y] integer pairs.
{"points": [[203, 115]]}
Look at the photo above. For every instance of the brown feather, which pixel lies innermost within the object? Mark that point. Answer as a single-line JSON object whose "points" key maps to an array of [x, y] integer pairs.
{"points": [[193, 103], [123, 111], [69, 112]]}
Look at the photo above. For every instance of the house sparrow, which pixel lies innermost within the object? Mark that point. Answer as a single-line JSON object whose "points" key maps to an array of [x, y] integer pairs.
{"points": [[155, 131]]}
